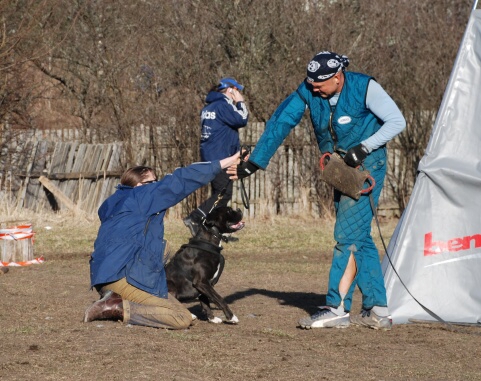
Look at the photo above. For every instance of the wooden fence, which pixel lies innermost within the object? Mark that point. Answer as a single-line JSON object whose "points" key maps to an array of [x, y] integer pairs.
{"points": [[57, 169]]}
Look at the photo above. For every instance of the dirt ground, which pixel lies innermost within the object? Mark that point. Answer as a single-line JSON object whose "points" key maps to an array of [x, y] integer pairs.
{"points": [[42, 336]]}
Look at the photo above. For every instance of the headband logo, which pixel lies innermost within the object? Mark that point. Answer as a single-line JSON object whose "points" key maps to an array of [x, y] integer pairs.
{"points": [[313, 66], [326, 76], [332, 63]]}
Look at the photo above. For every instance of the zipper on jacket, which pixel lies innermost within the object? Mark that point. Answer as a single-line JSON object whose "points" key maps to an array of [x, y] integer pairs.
{"points": [[148, 222], [332, 132]]}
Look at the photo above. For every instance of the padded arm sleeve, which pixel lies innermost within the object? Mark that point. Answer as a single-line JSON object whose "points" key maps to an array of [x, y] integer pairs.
{"points": [[285, 118]]}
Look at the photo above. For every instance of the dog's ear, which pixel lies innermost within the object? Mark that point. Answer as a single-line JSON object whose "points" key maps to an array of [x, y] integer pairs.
{"points": [[216, 217], [211, 219], [209, 222]]}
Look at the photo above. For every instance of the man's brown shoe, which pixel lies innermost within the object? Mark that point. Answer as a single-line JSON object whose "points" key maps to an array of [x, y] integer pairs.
{"points": [[109, 307]]}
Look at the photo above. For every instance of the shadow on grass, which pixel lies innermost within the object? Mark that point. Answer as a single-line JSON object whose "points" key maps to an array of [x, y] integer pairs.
{"points": [[308, 301]]}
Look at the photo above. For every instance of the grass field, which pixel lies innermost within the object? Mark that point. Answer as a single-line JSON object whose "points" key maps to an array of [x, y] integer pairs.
{"points": [[276, 273]]}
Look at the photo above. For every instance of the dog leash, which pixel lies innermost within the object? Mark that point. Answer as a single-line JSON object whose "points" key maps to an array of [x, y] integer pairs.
{"points": [[244, 196], [219, 197], [246, 150]]}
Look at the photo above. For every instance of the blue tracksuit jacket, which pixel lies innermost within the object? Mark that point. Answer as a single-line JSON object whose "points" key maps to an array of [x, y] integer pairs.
{"points": [[220, 121]]}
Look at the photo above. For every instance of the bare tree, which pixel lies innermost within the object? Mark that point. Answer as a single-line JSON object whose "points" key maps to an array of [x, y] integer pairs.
{"points": [[107, 67]]}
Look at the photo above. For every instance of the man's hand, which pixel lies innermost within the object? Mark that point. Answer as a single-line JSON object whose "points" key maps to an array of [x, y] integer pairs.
{"points": [[242, 170], [356, 155]]}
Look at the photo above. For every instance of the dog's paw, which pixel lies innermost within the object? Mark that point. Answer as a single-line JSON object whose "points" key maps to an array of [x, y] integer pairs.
{"points": [[234, 320], [215, 320]]}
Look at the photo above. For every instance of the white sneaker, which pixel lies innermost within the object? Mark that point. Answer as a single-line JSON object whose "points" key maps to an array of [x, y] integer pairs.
{"points": [[368, 318], [325, 318]]}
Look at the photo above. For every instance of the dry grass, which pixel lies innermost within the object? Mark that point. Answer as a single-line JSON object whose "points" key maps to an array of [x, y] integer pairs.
{"points": [[63, 233], [276, 273]]}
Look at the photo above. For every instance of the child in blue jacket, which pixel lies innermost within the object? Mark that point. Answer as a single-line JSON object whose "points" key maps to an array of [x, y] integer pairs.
{"points": [[224, 113]]}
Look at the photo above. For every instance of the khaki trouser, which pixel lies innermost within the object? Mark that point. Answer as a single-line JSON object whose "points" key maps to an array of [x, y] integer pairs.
{"points": [[142, 308]]}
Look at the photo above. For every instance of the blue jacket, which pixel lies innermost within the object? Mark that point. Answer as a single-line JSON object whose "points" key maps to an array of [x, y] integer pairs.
{"points": [[351, 120], [130, 241], [220, 121]]}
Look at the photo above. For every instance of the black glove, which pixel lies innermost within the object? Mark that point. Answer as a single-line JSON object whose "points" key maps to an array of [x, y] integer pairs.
{"points": [[246, 168], [356, 155]]}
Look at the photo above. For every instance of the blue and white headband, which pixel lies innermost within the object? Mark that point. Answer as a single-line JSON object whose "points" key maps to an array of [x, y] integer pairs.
{"points": [[325, 65]]}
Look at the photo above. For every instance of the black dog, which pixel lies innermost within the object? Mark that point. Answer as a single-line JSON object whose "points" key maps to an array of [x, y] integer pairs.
{"points": [[197, 266]]}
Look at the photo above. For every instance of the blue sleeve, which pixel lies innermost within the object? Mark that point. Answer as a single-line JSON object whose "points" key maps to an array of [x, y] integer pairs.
{"points": [[383, 106], [285, 118], [174, 187], [234, 115]]}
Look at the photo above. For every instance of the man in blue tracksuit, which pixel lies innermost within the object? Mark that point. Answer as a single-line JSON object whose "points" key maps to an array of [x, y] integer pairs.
{"points": [[225, 112], [352, 115], [127, 267]]}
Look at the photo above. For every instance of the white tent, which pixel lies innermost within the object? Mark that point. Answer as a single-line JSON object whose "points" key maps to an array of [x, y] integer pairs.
{"points": [[436, 247]]}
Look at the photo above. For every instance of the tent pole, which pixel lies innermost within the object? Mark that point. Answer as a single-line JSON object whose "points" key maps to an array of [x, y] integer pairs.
{"points": [[475, 4]]}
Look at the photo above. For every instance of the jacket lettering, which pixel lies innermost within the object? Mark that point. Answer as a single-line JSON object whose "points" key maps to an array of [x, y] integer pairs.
{"points": [[208, 115]]}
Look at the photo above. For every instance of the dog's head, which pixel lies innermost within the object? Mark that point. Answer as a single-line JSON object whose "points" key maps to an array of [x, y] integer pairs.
{"points": [[225, 219]]}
